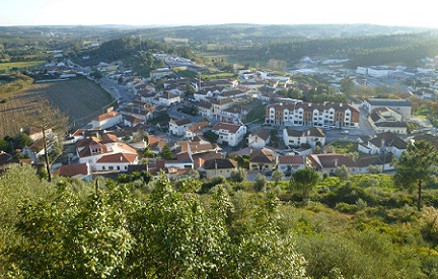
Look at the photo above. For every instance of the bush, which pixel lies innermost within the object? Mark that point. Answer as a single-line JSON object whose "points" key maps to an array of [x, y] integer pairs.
{"points": [[260, 183], [346, 208]]}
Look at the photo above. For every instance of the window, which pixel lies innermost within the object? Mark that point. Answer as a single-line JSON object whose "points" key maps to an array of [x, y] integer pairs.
{"points": [[110, 167], [103, 168], [126, 167], [118, 167]]}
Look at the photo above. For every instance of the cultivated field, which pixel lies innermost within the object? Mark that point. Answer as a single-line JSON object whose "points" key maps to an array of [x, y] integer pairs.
{"points": [[80, 99], [20, 65]]}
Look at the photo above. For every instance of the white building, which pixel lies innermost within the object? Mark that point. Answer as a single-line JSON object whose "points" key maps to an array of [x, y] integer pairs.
{"points": [[291, 163], [403, 107], [229, 134], [316, 115], [381, 144], [259, 138], [312, 136], [168, 99], [116, 162], [178, 127], [90, 150], [107, 120]]}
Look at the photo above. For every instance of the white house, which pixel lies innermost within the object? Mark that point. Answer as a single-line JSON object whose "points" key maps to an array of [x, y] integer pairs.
{"points": [[195, 129], [329, 162], [219, 166], [291, 163], [229, 134], [116, 162], [168, 99], [403, 107], [178, 127], [383, 161], [313, 136], [90, 150], [259, 138], [381, 144], [107, 120]]}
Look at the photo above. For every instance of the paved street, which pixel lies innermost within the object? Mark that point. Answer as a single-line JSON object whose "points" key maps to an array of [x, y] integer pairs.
{"points": [[118, 91], [175, 114]]}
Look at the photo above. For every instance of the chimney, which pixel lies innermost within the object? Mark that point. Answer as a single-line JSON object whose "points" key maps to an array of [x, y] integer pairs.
{"points": [[121, 158], [336, 162], [341, 105]]}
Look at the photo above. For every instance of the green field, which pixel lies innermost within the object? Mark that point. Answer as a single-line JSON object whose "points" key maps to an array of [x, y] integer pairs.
{"points": [[20, 65], [80, 99]]}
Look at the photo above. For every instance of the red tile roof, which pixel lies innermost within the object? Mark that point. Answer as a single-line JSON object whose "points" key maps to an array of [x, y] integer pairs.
{"points": [[232, 128], [290, 160], [105, 116], [118, 158], [72, 170]]}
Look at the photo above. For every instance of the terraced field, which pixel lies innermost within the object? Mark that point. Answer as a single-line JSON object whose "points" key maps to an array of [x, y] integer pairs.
{"points": [[80, 99]]}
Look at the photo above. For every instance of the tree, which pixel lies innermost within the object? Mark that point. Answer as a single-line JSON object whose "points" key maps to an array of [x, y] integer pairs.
{"points": [[416, 166], [277, 175], [374, 169], [166, 153], [304, 181], [45, 117], [238, 175], [211, 136], [21, 140], [348, 86], [260, 183], [342, 172]]}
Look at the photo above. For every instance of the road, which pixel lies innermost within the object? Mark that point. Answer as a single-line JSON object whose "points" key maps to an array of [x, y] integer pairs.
{"points": [[364, 124], [175, 114], [119, 92]]}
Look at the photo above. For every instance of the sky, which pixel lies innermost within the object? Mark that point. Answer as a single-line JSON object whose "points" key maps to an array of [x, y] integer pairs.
{"points": [[420, 13]]}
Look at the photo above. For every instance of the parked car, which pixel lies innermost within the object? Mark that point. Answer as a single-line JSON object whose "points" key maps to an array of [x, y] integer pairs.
{"points": [[345, 132]]}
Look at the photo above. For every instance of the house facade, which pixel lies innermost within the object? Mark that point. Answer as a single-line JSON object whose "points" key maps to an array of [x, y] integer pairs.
{"points": [[179, 126], [313, 136], [219, 166], [289, 164], [403, 107], [262, 160], [314, 115], [107, 120], [259, 138], [229, 134]]}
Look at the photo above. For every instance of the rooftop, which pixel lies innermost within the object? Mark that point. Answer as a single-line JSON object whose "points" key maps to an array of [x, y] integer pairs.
{"points": [[231, 128], [389, 102]]}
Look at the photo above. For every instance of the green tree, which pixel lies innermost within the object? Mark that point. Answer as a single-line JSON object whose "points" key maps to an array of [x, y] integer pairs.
{"points": [[166, 153], [211, 136], [238, 175], [177, 237], [260, 183], [304, 181], [347, 86], [21, 140], [374, 169], [342, 172], [277, 175], [70, 237], [416, 166]]}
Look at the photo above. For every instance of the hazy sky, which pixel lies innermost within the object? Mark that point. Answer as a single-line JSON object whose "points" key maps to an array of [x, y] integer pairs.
{"points": [[192, 12]]}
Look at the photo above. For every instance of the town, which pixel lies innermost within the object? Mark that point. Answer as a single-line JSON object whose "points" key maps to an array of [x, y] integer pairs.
{"points": [[186, 125]]}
